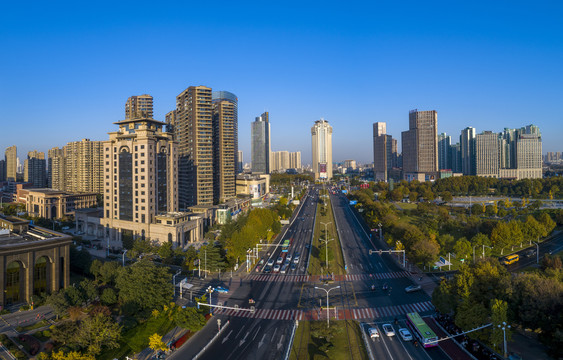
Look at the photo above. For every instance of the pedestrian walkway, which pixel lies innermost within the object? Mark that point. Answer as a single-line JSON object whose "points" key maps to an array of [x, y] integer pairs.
{"points": [[354, 313], [317, 278]]}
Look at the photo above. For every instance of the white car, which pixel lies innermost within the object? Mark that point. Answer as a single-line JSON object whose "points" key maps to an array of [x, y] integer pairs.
{"points": [[288, 257], [405, 334], [279, 260], [413, 288], [270, 262], [276, 268], [373, 333], [388, 329]]}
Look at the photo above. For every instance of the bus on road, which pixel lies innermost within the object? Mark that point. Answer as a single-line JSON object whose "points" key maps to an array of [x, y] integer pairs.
{"points": [[421, 330], [510, 259], [285, 245]]}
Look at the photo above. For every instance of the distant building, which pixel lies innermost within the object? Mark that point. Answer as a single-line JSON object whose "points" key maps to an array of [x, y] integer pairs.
{"points": [[350, 164], [35, 169], [467, 148], [77, 167], [420, 146], [321, 139], [260, 144], [11, 157], [34, 261], [487, 154], [295, 160], [2, 170], [444, 144], [454, 159], [139, 106], [255, 186], [384, 152], [280, 161], [240, 162]]}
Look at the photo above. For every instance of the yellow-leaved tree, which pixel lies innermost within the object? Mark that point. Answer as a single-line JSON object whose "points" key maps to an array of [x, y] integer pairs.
{"points": [[156, 343]]}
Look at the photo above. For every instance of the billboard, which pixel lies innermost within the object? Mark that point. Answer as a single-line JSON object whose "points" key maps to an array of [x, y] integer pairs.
{"points": [[322, 170]]}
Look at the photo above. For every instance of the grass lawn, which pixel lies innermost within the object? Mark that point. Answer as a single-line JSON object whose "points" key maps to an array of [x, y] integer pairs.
{"points": [[137, 338], [345, 343], [37, 325], [318, 251]]}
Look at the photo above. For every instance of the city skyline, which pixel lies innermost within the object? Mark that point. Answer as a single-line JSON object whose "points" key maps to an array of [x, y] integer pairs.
{"points": [[465, 59]]}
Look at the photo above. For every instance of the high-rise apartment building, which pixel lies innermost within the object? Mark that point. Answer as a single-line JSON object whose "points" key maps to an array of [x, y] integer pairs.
{"points": [[487, 154], [260, 146], [83, 167], [193, 130], [528, 155], [295, 160], [467, 148], [420, 145], [2, 170], [240, 162], [384, 152], [56, 162], [280, 160], [11, 156], [35, 169], [139, 106], [444, 144], [455, 158], [225, 145], [321, 140]]}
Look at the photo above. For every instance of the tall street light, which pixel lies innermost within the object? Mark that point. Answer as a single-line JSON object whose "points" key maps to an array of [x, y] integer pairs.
{"points": [[537, 252], [504, 327], [485, 246], [326, 250], [327, 291], [325, 224]]}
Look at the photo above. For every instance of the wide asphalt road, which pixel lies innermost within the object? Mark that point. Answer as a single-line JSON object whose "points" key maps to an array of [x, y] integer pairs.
{"points": [[250, 337]]}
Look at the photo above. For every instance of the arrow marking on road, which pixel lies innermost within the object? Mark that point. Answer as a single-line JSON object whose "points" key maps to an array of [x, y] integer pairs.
{"points": [[256, 333], [261, 341], [244, 339], [226, 337], [280, 343]]}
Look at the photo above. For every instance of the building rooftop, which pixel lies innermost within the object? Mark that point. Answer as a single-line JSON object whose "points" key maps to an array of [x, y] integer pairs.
{"points": [[31, 236]]}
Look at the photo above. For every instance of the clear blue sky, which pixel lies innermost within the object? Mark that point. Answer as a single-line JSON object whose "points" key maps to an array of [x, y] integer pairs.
{"points": [[67, 68]]}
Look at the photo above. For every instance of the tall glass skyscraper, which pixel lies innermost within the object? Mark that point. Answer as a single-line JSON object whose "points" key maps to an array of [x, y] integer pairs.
{"points": [[260, 146]]}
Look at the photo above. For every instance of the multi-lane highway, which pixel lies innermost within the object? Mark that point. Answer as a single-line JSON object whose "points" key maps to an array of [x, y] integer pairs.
{"points": [[282, 298]]}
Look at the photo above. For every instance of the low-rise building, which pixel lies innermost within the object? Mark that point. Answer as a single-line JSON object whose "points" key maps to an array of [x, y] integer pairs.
{"points": [[54, 204], [33, 260], [255, 186]]}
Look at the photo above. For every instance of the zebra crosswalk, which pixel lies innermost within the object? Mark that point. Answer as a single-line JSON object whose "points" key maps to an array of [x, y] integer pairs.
{"points": [[316, 278], [354, 313]]}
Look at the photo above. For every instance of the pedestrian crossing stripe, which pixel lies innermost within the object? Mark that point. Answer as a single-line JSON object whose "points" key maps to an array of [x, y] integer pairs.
{"points": [[355, 313], [316, 278]]}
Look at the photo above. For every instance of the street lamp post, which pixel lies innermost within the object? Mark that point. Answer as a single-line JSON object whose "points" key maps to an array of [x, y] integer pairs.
{"points": [[210, 291], [123, 257], [174, 280], [504, 327], [474, 253], [537, 252], [380, 234], [327, 291], [325, 224], [326, 250], [485, 246]]}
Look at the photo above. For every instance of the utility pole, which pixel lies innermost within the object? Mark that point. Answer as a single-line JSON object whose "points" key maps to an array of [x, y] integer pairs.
{"points": [[327, 291]]}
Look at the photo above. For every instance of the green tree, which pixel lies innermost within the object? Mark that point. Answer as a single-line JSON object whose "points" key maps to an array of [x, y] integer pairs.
{"points": [[165, 250], [470, 315], [212, 258], [444, 298], [74, 296], [58, 302], [145, 285], [447, 196], [65, 332], [98, 331], [80, 260], [108, 297], [89, 289], [189, 318], [191, 256], [462, 248], [546, 221], [500, 236]]}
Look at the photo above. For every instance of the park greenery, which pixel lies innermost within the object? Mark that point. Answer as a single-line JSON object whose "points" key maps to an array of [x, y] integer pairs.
{"points": [[426, 230], [487, 293], [116, 312]]}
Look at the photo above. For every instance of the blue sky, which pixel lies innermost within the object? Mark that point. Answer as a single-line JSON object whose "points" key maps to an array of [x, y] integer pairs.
{"points": [[67, 68]]}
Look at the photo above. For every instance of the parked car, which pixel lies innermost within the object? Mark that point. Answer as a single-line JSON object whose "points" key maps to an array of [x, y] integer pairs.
{"points": [[388, 329], [405, 334], [373, 333], [413, 288]]}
